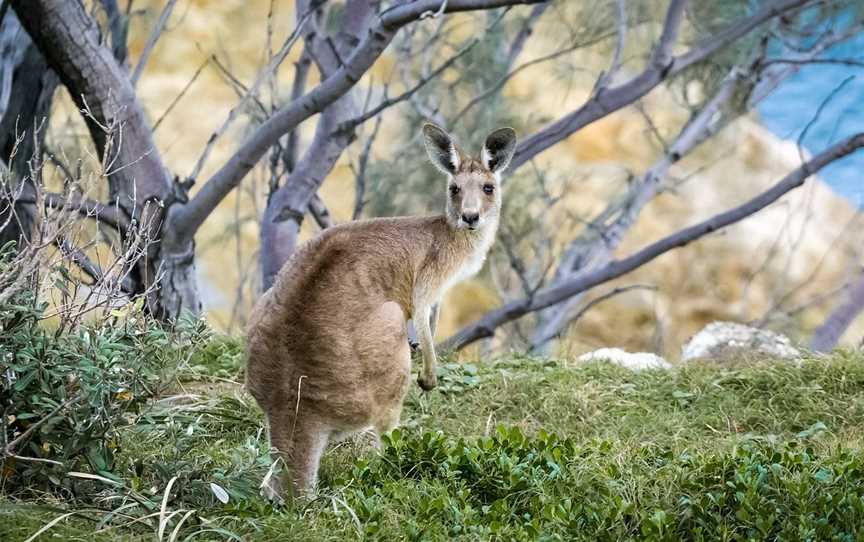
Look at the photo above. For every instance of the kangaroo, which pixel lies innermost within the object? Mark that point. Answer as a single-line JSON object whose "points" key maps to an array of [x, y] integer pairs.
{"points": [[327, 345]]}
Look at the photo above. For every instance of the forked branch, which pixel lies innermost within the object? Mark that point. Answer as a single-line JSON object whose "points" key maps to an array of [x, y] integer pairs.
{"points": [[661, 67]]}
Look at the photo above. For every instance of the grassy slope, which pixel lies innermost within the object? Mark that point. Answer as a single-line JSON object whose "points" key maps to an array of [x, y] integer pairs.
{"points": [[754, 450]]}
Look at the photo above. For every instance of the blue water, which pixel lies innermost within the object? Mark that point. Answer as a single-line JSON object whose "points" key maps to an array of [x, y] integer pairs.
{"points": [[795, 103]]}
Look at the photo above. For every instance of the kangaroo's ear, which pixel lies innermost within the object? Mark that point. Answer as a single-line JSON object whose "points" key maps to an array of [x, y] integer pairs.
{"points": [[498, 149], [441, 149]]}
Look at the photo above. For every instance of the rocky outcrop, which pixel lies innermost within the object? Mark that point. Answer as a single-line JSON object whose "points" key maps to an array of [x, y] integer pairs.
{"points": [[724, 340], [635, 361]]}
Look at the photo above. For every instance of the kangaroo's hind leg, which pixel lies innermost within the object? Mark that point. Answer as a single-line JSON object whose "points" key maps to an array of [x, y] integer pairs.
{"points": [[300, 441]]}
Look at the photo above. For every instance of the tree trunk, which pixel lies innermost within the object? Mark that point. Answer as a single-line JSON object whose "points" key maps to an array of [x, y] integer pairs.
{"points": [[280, 225], [138, 182], [26, 89]]}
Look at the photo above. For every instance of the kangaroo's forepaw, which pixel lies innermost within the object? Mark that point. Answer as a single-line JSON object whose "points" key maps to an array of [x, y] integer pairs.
{"points": [[414, 346], [427, 384]]}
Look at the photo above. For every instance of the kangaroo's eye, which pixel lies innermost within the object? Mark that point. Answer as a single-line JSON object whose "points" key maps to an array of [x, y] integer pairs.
{"points": [[454, 190], [488, 188]]}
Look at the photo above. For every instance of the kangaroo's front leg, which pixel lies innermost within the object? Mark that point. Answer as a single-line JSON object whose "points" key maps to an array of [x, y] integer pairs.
{"points": [[429, 378], [435, 313]]}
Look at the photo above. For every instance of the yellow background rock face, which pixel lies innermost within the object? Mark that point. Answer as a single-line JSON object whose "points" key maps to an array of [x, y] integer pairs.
{"points": [[789, 254]]}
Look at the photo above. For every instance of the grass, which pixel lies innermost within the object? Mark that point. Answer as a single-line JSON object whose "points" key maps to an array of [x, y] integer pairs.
{"points": [[513, 449]]}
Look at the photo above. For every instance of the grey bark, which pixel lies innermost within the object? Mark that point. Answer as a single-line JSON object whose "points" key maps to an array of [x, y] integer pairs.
{"points": [[603, 236], [354, 66], [26, 89], [280, 225], [661, 67]]}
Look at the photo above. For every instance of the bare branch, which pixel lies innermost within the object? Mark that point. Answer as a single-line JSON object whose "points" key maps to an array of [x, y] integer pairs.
{"points": [[360, 173], [151, 41], [608, 295], [661, 67], [585, 254], [77, 256], [181, 94], [507, 76], [486, 326], [250, 94], [389, 102], [85, 207], [89, 208], [320, 212], [524, 33], [826, 336], [606, 77], [9, 449], [298, 86]]}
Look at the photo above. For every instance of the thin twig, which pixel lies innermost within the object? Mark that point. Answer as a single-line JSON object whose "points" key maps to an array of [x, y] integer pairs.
{"points": [[151, 41], [360, 174], [182, 93], [350, 124], [262, 76], [10, 446]]}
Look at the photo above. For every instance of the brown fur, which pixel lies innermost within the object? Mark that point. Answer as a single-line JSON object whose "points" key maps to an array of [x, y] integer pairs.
{"points": [[327, 345]]}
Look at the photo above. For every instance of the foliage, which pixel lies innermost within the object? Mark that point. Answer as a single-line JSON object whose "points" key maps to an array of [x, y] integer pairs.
{"points": [[66, 394]]}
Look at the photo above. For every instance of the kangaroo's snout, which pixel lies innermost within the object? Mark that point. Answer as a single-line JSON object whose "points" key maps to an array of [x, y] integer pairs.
{"points": [[471, 219]]}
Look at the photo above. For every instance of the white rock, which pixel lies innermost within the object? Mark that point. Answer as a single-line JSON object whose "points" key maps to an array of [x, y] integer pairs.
{"points": [[635, 361], [720, 340]]}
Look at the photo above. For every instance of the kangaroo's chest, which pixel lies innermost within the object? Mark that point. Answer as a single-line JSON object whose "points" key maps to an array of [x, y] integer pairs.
{"points": [[462, 269]]}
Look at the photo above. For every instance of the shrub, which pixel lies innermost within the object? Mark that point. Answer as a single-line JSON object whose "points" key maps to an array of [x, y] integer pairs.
{"points": [[64, 394]]}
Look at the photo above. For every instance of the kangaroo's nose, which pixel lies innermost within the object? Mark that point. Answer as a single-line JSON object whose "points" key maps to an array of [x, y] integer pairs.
{"points": [[471, 218]]}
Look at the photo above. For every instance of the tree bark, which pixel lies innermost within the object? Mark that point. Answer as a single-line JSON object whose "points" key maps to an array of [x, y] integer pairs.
{"points": [[26, 89], [280, 225], [595, 247], [661, 67], [350, 71]]}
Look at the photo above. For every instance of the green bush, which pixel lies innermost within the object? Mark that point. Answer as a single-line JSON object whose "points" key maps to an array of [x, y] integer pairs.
{"points": [[64, 394]]}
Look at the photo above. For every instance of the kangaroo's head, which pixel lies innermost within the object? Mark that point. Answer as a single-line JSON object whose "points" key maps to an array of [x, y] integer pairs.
{"points": [[473, 184]]}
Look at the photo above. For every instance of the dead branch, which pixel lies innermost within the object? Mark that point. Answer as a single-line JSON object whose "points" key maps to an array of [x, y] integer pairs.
{"points": [[250, 94], [595, 248], [360, 172], [606, 77], [661, 66], [87, 207], [320, 212], [826, 336], [181, 94]]}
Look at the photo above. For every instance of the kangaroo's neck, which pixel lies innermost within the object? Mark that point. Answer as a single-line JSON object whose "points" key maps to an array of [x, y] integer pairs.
{"points": [[459, 255]]}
